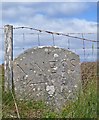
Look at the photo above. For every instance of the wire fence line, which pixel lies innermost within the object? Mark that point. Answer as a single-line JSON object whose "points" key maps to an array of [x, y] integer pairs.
{"points": [[57, 33], [71, 39]]}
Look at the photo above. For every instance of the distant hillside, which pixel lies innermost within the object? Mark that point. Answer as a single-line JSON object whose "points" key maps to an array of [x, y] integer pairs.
{"points": [[88, 71], [1, 67], [1, 71]]}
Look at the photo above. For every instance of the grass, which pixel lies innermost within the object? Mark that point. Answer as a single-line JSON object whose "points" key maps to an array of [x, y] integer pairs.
{"points": [[86, 104], [84, 107]]}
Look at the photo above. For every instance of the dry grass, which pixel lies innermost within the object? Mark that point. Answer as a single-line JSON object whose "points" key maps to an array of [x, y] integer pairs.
{"points": [[88, 70]]}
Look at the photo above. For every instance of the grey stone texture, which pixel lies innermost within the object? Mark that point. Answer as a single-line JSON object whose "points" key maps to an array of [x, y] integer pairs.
{"points": [[8, 57], [48, 73]]}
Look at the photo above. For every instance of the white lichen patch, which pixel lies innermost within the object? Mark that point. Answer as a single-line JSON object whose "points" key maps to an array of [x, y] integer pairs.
{"points": [[38, 94], [32, 52], [52, 81], [41, 46], [21, 59], [64, 81], [46, 83], [15, 89], [55, 68], [63, 74], [24, 83], [47, 102], [5, 62], [46, 50], [69, 91], [75, 86], [9, 57], [31, 85], [9, 48], [38, 88], [56, 55], [26, 76], [61, 88], [55, 46], [33, 89], [34, 71], [64, 60], [50, 90], [48, 70], [5, 67]]}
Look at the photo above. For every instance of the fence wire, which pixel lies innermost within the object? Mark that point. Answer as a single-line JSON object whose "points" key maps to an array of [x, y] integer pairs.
{"points": [[83, 44]]}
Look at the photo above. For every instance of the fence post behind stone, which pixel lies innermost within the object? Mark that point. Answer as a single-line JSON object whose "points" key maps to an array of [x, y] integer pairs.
{"points": [[8, 57]]}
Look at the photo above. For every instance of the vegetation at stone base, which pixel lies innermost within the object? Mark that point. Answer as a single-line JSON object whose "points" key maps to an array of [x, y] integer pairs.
{"points": [[84, 107]]}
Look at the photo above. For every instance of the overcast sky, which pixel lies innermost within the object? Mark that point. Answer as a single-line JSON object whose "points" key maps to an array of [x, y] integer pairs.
{"points": [[65, 17]]}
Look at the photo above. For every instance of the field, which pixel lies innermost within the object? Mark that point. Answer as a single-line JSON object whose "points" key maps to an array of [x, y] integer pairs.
{"points": [[84, 107]]}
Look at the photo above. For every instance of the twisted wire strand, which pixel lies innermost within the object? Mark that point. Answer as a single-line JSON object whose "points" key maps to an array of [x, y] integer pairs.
{"points": [[57, 33]]}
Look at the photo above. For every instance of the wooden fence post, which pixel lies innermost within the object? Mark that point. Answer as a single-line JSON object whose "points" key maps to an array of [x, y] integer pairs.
{"points": [[8, 57]]}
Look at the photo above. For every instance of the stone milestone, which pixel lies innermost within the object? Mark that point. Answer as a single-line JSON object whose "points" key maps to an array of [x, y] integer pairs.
{"points": [[50, 74]]}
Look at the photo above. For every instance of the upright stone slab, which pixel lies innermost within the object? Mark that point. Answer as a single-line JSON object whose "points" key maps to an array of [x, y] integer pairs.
{"points": [[51, 74]]}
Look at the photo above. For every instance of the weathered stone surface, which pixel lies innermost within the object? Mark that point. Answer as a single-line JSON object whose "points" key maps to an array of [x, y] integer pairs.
{"points": [[51, 74], [8, 57]]}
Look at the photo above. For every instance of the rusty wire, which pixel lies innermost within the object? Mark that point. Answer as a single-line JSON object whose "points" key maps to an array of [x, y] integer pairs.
{"points": [[57, 33], [68, 35]]}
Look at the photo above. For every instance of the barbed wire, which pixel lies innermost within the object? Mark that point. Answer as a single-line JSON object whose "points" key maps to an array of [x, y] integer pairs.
{"points": [[43, 33], [56, 33], [68, 35]]}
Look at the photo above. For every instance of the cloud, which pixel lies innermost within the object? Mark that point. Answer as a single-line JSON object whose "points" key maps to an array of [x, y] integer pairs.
{"points": [[68, 9], [52, 16], [14, 10], [60, 25]]}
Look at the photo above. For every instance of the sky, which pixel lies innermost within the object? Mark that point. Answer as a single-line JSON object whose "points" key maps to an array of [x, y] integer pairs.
{"points": [[65, 17]]}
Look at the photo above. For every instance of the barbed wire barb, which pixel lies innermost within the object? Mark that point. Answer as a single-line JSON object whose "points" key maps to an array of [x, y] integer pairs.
{"points": [[56, 33]]}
